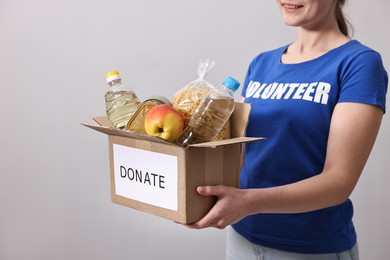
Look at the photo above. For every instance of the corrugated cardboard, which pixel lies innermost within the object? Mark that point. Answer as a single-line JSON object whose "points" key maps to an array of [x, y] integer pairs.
{"points": [[209, 163]]}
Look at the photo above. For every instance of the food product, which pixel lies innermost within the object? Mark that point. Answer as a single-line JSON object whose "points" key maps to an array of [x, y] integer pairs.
{"points": [[164, 121], [137, 122], [189, 97], [211, 115], [121, 101]]}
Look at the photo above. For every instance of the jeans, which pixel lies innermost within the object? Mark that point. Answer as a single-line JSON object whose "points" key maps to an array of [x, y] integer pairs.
{"points": [[239, 248]]}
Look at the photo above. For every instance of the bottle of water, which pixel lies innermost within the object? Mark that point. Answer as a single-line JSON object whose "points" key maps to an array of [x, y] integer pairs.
{"points": [[121, 102], [211, 115]]}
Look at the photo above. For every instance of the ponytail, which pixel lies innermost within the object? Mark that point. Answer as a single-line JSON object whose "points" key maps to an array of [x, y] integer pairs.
{"points": [[342, 22]]}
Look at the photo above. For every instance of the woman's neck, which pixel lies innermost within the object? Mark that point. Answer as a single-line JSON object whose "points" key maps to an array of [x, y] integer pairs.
{"points": [[310, 45]]}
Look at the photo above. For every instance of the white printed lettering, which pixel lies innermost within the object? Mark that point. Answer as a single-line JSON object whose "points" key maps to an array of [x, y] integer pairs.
{"points": [[322, 93], [292, 88], [258, 92], [280, 91], [301, 89], [268, 91], [310, 89], [252, 87], [317, 92]]}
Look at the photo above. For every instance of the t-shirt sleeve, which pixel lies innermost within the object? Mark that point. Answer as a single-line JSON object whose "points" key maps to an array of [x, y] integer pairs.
{"points": [[365, 81]]}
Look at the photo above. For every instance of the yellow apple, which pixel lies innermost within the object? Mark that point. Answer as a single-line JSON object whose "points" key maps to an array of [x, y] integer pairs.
{"points": [[164, 121]]}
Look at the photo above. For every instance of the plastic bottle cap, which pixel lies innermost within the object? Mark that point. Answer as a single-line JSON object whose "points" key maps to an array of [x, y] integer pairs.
{"points": [[112, 75], [231, 83]]}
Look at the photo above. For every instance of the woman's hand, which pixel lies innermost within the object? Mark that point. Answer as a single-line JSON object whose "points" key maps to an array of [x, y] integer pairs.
{"points": [[229, 208], [352, 135]]}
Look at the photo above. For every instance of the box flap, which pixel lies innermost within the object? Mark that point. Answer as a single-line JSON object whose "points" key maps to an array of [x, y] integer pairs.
{"points": [[112, 131], [103, 121], [235, 140], [240, 118]]}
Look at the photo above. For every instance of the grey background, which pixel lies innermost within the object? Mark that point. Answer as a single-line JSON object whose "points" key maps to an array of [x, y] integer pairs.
{"points": [[54, 173]]}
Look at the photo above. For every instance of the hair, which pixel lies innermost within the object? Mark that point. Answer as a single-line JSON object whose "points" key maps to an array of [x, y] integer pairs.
{"points": [[342, 22]]}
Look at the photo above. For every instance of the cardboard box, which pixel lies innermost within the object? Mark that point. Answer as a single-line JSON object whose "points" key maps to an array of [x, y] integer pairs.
{"points": [[156, 176]]}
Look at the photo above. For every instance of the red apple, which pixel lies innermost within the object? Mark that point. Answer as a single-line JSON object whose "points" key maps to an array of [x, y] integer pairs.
{"points": [[164, 121]]}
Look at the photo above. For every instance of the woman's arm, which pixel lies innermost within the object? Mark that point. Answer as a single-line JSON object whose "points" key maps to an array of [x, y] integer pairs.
{"points": [[353, 131]]}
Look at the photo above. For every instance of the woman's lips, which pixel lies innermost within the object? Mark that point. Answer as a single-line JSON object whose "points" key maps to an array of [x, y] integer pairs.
{"points": [[291, 7]]}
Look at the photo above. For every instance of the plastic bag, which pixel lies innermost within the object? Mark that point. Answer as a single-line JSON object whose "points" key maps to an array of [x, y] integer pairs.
{"points": [[188, 98]]}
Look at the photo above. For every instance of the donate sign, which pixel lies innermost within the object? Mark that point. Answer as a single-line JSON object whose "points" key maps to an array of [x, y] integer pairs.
{"points": [[146, 176]]}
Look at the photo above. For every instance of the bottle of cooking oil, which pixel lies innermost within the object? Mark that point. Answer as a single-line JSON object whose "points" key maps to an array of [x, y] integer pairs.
{"points": [[121, 101], [211, 115]]}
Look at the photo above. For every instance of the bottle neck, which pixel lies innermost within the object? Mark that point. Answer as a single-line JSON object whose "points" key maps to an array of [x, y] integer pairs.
{"points": [[114, 82], [226, 91]]}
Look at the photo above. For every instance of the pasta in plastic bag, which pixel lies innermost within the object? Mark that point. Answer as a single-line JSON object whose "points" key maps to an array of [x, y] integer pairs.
{"points": [[188, 98]]}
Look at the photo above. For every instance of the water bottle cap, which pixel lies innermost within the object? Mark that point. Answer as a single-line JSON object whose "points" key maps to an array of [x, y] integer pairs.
{"points": [[231, 83], [112, 75]]}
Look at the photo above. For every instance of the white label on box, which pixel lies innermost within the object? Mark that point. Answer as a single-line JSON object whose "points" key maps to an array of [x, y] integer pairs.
{"points": [[146, 176]]}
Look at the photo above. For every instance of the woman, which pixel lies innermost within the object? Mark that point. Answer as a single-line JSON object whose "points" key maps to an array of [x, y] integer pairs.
{"points": [[319, 101]]}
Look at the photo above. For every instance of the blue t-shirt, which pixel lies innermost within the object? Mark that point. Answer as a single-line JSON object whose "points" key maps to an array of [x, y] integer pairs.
{"points": [[292, 106]]}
